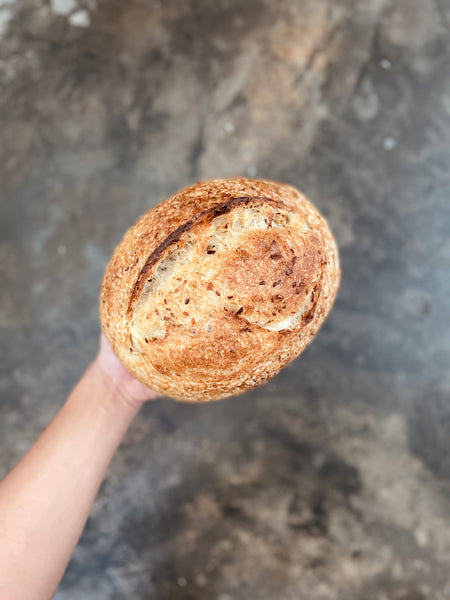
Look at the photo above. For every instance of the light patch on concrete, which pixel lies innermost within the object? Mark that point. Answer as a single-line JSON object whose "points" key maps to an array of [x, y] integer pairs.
{"points": [[63, 7], [6, 14], [80, 18], [389, 143], [366, 103]]}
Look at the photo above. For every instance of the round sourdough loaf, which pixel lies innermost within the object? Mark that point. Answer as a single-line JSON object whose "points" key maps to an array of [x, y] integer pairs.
{"points": [[221, 285]]}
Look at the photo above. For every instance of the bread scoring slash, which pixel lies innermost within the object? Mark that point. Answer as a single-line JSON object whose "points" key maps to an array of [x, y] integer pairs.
{"points": [[220, 286]]}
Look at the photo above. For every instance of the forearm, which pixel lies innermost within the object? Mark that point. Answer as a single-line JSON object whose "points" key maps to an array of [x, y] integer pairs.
{"points": [[46, 499]]}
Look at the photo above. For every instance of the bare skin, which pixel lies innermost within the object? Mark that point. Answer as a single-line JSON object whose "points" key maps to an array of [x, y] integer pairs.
{"points": [[46, 499]]}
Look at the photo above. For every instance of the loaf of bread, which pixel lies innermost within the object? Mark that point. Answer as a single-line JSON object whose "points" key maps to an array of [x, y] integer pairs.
{"points": [[216, 289]]}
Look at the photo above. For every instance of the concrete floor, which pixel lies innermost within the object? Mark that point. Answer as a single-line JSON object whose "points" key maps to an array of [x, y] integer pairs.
{"points": [[332, 481]]}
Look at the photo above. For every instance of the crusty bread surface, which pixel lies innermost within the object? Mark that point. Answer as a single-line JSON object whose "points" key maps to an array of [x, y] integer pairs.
{"points": [[220, 286]]}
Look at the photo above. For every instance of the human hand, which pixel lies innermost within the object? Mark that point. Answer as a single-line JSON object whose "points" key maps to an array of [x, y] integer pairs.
{"points": [[124, 383]]}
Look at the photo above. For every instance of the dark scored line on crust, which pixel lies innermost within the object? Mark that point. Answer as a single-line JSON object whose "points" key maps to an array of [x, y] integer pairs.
{"points": [[206, 216]]}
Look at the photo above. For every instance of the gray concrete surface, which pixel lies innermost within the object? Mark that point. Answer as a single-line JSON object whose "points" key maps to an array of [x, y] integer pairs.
{"points": [[332, 481]]}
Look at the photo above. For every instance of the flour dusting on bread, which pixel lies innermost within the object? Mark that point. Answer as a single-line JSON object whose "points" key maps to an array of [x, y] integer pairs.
{"points": [[162, 305]]}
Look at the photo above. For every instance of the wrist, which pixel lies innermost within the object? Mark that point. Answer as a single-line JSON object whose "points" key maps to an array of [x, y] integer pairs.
{"points": [[113, 388], [124, 384]]}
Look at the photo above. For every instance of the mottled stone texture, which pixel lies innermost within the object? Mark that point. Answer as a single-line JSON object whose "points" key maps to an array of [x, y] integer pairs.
{"points": [[333, 481]]}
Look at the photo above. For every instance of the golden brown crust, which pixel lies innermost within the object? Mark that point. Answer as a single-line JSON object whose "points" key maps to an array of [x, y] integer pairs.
{"points": [[202, 217], [218, 287]]}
